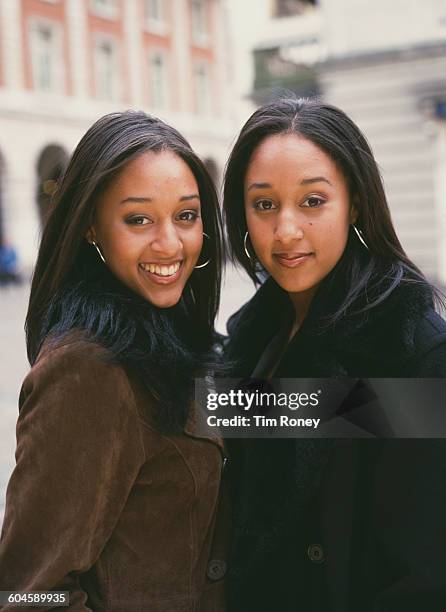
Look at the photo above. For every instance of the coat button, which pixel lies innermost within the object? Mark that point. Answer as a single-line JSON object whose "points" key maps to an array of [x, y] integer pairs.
{"points": [[216, 569], [315, 553]]}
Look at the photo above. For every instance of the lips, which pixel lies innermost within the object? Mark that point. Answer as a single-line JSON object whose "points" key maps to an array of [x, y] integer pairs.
{"points": [[162, 273], [292, 260]]}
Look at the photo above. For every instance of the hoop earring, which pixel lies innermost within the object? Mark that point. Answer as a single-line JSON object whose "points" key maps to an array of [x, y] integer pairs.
{"points": [[98, 250], [245, 246], [203, 265], [359, 234]]}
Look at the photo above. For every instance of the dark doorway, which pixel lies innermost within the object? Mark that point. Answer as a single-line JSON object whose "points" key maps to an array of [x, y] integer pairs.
{"points": [[212, 168], [2, 182]]}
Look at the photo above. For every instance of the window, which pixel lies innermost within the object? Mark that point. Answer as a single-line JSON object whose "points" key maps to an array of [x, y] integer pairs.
{"points": [[156, 12], [159, 79], [105, 8], [106, 66], [202, 89], [45, 57], [287, 8], [198, 19]]}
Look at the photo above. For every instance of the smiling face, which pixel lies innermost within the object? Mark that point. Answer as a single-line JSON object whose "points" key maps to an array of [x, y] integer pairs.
{"points": [[147, 224], [298, 212]]}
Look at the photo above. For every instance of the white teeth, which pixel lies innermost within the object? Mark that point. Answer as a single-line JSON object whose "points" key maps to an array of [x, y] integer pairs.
{"points": [[162, 270]]}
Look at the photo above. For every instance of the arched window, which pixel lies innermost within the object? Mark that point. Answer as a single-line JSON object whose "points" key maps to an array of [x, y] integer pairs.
{"points": [[50, 166]]}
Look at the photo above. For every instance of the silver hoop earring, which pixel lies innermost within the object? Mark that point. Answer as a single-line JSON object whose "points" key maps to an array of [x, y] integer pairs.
{"points": [[98, 250], [245, 246], [359, 234], [203, 265]]}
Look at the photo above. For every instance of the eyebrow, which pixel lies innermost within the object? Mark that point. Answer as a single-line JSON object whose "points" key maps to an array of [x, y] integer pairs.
{"points": [[259, 186], [306, 181], [316, 179], [193, 196], [142, 200]]}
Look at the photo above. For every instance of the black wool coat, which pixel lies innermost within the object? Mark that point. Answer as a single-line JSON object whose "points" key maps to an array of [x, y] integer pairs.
{"points": [[346, 525]]}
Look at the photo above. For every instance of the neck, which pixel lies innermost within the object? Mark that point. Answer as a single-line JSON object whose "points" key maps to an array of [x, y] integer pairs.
{"points": [[301, 303]]}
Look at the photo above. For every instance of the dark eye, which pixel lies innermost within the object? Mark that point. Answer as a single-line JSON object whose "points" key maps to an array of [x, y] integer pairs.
{"points": [[188, 215], [138, 220], [264, 205], [313, 202]]}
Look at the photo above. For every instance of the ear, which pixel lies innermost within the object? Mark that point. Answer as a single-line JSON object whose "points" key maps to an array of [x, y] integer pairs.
{"points": [[90, 235]]}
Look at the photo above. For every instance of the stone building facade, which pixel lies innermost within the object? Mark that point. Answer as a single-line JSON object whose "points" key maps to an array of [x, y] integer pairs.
{"points": [[386, 66], [64, 63]]}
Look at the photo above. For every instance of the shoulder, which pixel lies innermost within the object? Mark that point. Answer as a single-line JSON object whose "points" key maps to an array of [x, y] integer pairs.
{"points": [[76, 372], [398, 337], [431, 329], [430, 346], [75, 353]]}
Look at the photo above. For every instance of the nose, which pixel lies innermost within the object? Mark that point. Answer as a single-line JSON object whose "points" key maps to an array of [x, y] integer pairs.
{"points": [[166, 241], [288, 226]]}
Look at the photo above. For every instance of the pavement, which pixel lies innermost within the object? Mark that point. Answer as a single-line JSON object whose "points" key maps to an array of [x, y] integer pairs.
{"points": [[13, 367], [237, 289]]}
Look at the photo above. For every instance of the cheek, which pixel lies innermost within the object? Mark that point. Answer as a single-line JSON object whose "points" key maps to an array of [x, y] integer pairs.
{"points": [[194, 243], [111, 233], [260, 230], [122, 245], [260, 238], [331, 238]]}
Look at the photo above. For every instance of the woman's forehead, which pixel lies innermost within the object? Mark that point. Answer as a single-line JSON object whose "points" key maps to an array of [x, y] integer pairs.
{"points": [[280, 153]]}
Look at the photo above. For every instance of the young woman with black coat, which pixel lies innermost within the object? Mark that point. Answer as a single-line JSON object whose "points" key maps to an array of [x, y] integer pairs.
{"points": [[323, 524]]}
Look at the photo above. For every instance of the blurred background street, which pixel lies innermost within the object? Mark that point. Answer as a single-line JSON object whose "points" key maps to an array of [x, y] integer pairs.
{"points": [[203, 66]]}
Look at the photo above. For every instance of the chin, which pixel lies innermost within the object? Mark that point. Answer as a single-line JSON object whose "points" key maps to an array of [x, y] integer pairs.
{"points": [[294, 288], [291, 286], [163, 301]]}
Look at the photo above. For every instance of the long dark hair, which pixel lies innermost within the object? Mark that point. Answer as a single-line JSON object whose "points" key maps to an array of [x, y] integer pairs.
{"points": [[372, 273], [72, 289]]}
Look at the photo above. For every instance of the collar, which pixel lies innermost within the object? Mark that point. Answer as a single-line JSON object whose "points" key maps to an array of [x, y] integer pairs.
{"points": [[387, 330]]}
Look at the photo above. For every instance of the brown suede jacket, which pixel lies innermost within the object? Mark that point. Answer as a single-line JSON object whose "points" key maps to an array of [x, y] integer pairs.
{"points": [[102, 505]]}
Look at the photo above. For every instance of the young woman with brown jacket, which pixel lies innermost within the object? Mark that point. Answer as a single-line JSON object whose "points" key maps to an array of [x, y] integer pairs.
{"points": [[116, 498]]}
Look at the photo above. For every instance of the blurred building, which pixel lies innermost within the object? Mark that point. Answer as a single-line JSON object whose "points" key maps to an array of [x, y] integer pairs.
{"points": [[386, 67], [384, 63], [286, 56], [64, 63]]}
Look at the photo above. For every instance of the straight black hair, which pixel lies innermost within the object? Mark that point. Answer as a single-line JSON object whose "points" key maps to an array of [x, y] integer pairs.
{"points": [[368, 276], [72, 288]]}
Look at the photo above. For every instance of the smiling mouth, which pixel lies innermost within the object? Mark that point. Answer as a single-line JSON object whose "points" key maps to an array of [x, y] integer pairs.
{"points": [[291, 260], [161, 270]]}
